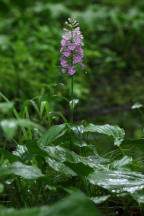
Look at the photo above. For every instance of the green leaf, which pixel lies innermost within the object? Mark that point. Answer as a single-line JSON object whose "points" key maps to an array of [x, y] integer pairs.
{"points": [[117, 181], [33, 148], [25, 171], [52, 134], [139, 196], [20, 151], [80, 168], [9, 127], [114, 131], [76, 204], [99, 199], [61, 154], [35, 106], [22, 170], [60, 167], [122, 163], [5, 107], [66, 156], [44, 105]]}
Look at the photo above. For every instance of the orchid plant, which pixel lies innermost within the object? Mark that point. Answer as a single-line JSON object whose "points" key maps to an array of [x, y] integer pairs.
{"points": [[71, 52]]}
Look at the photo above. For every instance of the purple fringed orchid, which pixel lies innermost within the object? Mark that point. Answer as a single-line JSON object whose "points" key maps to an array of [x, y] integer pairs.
{"points": [[71, 47]]}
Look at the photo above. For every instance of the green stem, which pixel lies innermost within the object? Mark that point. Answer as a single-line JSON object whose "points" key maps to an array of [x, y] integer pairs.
{"points": [[20, 194], [72, 105]]}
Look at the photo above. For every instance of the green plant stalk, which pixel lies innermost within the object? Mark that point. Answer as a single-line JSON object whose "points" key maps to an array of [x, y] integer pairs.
{"points": [[72, 105], [72, 85], [18, 187]]}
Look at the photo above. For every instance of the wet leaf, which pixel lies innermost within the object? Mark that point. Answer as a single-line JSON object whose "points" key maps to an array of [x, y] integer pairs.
{"points": [[80, 168], [114, 131], [33, 148], [62, 154], [60, 167], [139, 196], [118, 181], [22, 170], [65, 155], [121, 164], [99, 199], [52, 134]]}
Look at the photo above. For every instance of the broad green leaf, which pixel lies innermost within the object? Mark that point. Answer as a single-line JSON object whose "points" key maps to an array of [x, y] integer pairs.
{"points": [[80, 168], [25, 171], [33, 148], [52, 134], [62, 154], [5, 107], [99, 199], [22, 170], [88, 147], [22, 152], [114, 131], [60, 167], [117, 181], [65, 155], [77, 204], [93, 161], [121, 164]]}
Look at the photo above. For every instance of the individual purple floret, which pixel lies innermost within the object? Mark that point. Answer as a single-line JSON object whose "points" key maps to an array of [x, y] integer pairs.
{"points": [[71, 47]]}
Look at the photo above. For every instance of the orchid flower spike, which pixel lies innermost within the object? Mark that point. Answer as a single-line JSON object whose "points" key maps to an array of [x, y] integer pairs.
{"points": [[71, 47]]}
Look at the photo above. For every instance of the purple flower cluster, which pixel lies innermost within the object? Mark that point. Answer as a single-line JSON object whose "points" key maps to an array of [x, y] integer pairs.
{"points": [[72, 52]]}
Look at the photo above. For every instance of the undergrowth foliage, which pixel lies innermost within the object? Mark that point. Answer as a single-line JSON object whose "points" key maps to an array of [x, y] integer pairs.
{"points": [[55, 169]]}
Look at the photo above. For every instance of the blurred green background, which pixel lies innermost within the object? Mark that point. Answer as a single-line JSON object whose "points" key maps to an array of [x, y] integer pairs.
{"points": [[30, 34]]}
